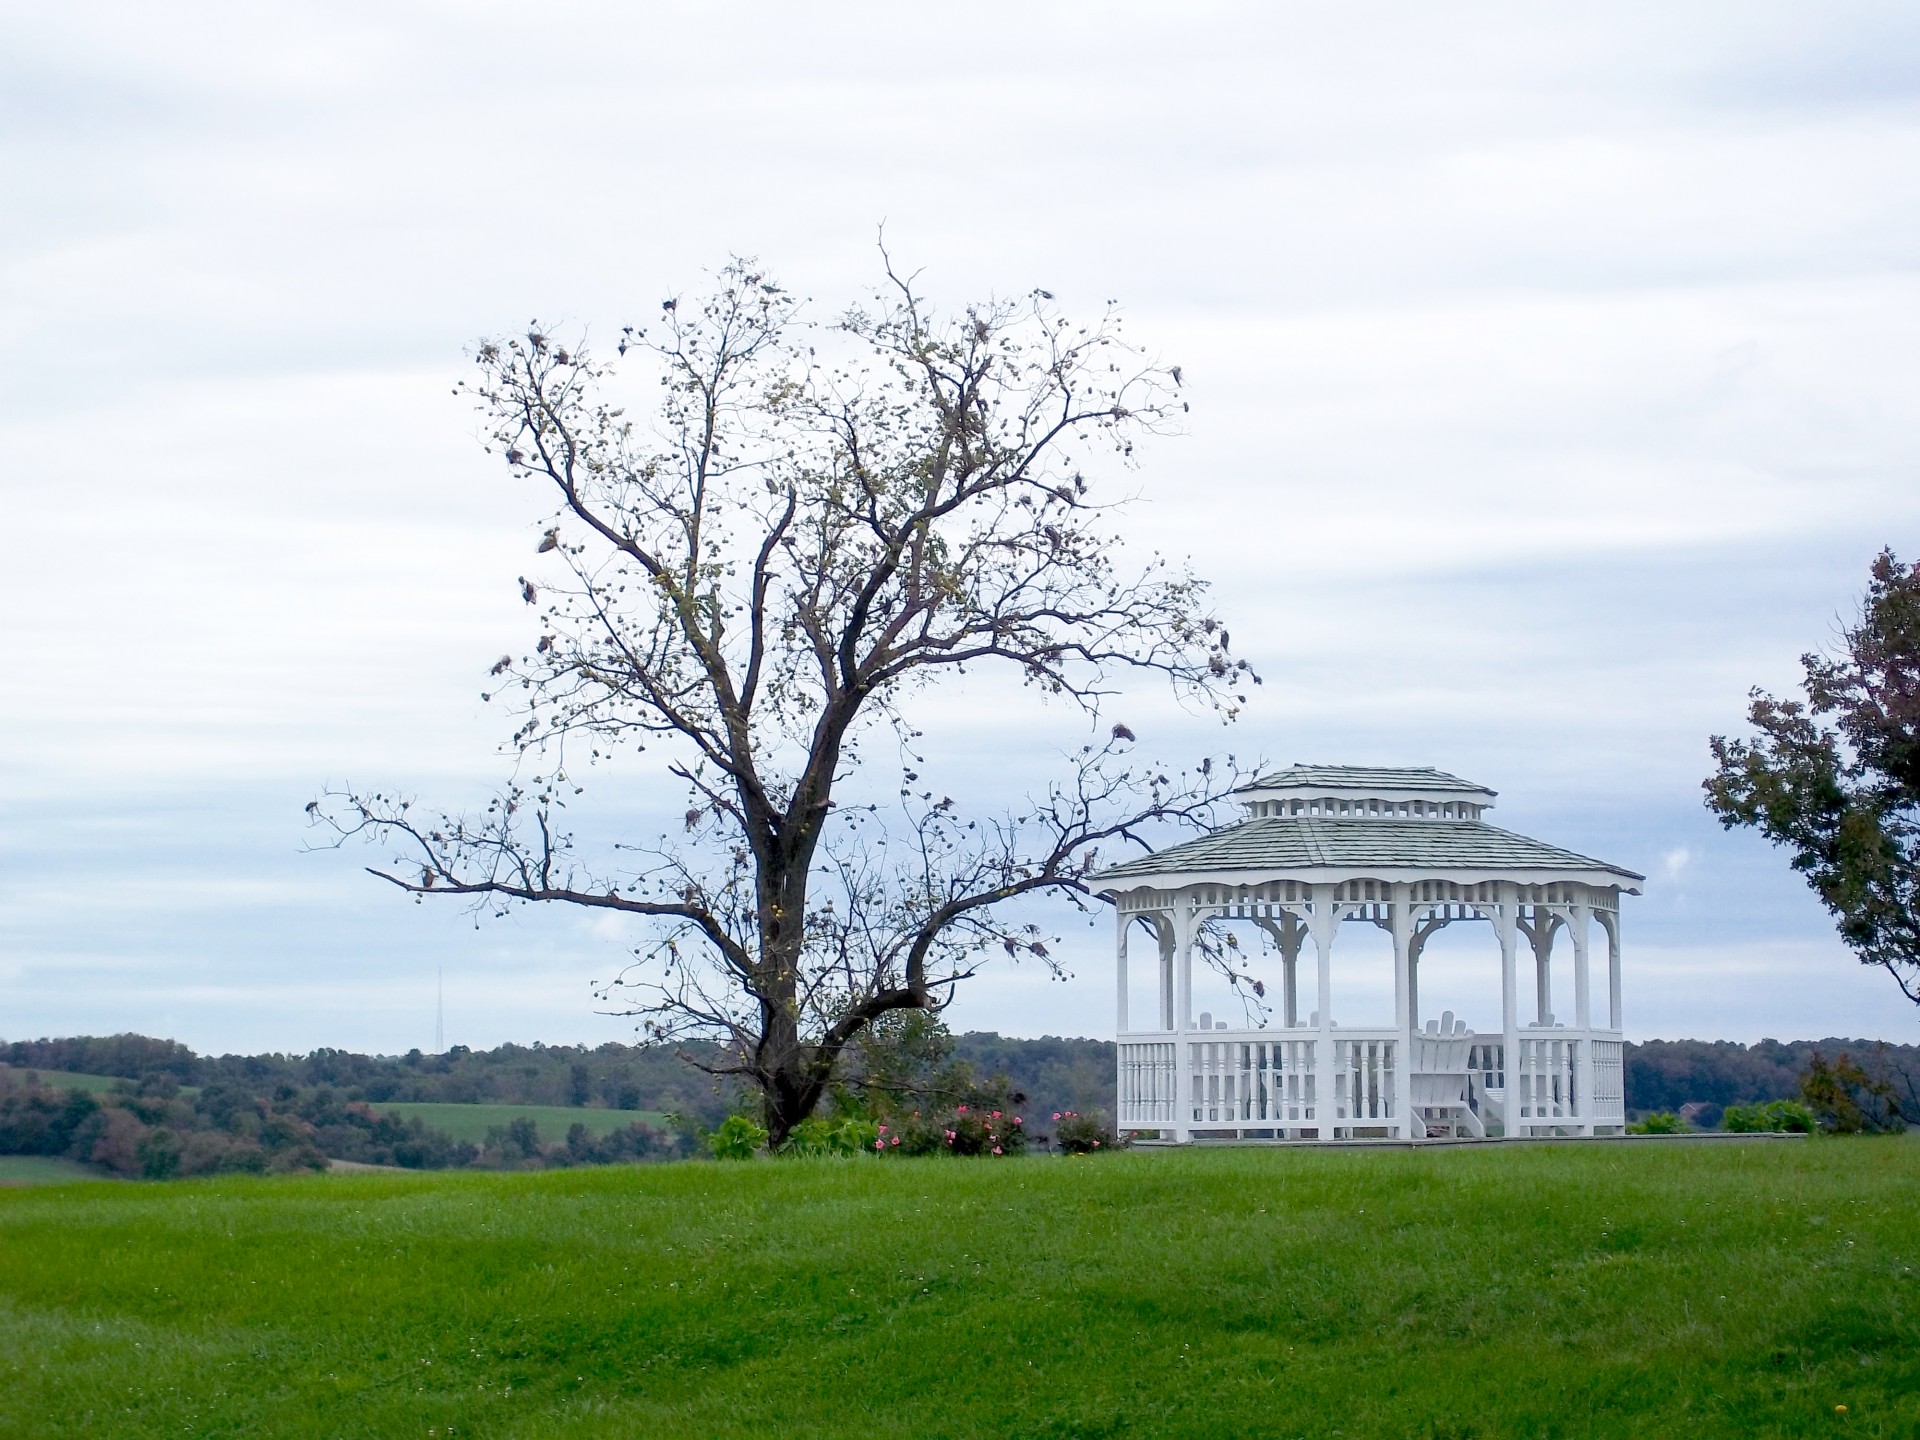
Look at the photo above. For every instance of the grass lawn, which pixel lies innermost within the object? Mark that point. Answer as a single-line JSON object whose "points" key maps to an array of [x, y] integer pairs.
{"points": [[470, 1122], [1601, 1290], [42, 1170], [74, 1080]]}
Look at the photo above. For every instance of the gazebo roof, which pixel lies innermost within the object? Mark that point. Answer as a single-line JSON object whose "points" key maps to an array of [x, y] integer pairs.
{"points": [[1302, 843], [1332, 823], [1379, 837], [1315, 842]]}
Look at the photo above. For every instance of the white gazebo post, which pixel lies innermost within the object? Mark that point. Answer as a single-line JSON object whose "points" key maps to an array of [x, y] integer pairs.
{"points": [[1542, 941], [1506, 927], [1296, 937], [1287, 934], [1406, 849], [1326, 919], [1415, 943], [1583, 1067], [1122, 934], [1184, 925], [1163, 937], [1613, 974], [1405, 1021]]}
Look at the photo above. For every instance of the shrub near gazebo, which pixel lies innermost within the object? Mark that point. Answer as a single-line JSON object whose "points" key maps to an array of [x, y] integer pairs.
{"points": [[1407, 850]]}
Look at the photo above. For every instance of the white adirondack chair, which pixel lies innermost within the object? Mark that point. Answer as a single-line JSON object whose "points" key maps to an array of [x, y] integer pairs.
{"points": [[1440, 1079]]}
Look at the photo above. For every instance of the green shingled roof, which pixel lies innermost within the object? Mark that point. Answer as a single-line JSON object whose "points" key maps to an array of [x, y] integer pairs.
{"points": [[1306, 842], [1384, 779]]}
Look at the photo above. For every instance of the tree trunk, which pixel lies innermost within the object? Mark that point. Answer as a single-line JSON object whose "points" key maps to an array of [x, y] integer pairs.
{"points": [[788, 1099]]}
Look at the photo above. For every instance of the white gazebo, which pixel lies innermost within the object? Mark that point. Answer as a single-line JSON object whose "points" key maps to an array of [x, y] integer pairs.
{"points": [[1406, 850]]}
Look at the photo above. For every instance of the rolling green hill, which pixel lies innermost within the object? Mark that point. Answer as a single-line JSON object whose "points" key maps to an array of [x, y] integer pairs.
{"points": [[471, 1122], [1606, 1289], [43, 1170], [73, 1080]]}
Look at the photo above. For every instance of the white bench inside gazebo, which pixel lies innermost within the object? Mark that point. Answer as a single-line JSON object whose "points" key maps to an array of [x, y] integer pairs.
{"points": [[1405, 850]]}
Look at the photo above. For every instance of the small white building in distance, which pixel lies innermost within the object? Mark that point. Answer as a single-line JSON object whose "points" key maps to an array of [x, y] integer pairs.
{"points": [[1406, 850]]}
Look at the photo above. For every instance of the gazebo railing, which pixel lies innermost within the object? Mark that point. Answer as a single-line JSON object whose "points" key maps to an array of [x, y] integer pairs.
{"points": [[1546, 1077], [1258, 1080], [1364, 1065], [1549, 1075], [1609, 1082], [1269, 1080], [1147, 1096]]}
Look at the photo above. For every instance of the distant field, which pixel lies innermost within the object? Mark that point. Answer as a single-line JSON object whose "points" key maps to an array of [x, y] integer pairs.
{"points": [[1649, 1291], [71, 1080], [462, 1122], [42, 1170], [471, 1122]]}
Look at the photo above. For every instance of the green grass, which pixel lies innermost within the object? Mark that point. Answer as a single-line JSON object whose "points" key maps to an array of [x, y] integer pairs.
{"points": [[73, 1079], [42, 1170], [471, 1122], [1602, 1290]]}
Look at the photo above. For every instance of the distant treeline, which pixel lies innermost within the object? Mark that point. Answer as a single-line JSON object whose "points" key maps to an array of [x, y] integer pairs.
{"points": [[1054, 1073], [614, 1077], [1670, 1074], [1057, 1074]]}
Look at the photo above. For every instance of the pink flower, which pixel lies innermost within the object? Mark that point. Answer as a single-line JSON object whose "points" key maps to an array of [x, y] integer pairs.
{"points": [[950, 1134], [1016, 1119], [996, 1114], [996, 1149], [879, 1144], [1056, 1114], [896, 1139], [882, 1130], [1096, 1144], [959, 1109]]}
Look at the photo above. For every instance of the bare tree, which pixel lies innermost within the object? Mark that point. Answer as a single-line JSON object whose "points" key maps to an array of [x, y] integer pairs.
{"points": [[819, 520]]}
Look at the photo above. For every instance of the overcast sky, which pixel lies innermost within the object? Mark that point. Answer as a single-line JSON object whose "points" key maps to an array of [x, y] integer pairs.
{"points": [[1553, 371]]}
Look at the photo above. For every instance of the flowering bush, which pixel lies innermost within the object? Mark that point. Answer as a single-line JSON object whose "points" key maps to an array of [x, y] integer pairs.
{"points": [[1077, 1134], [985, 1132], [929, 1103], [956, 1130]]}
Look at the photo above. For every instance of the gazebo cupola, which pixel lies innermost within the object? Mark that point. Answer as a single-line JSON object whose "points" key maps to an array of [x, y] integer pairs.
{"points": [[1353, 792], [1405, 849]]}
